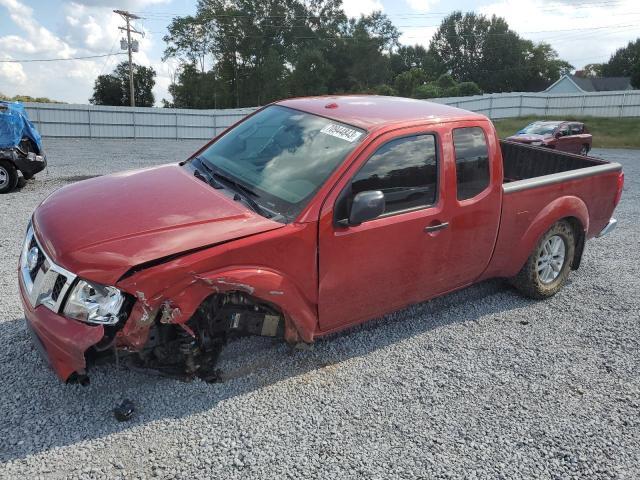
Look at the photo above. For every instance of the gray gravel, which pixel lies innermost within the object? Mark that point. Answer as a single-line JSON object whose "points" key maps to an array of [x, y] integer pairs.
{"points": [[478, 384]]}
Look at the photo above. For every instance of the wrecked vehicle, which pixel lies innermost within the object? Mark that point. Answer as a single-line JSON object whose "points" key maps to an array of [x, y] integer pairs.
{"points": [[21, 149], [307, 217]]}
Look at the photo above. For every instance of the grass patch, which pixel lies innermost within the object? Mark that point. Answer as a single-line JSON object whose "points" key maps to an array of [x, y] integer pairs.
{"points": [[607, 132]]}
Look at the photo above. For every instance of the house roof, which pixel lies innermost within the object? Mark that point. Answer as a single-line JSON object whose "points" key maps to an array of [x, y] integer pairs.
{"points": [[598, 84]]}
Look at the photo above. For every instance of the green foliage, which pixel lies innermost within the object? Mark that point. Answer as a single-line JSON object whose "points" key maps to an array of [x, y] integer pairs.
{"points": [[428, 90], [27, 98], [237, 53], [625, 62], [484, 50], [445, 81], [406, 82], [385, 90], [113, 89], [446, 86], [468, 88], [593, 69]]}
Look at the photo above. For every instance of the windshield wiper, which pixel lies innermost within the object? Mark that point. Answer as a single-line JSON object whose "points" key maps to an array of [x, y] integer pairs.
{"points": [[208, 170], [244, 193], [234, 183]]}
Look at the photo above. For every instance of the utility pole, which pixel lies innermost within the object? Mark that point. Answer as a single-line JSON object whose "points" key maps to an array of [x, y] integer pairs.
{"points": [[131, 47]]}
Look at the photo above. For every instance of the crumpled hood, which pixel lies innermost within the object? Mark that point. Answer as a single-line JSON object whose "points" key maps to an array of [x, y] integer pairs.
{"points": [[528, 138], [100, 228]]}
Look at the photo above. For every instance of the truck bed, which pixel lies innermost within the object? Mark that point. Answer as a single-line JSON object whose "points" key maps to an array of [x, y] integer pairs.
{"points": [[539, 183], [523, 162]]}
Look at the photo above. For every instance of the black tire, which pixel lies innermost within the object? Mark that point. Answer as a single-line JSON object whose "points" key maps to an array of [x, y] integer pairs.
{"points": [[531, 281], [8, 176], [584, 150]]}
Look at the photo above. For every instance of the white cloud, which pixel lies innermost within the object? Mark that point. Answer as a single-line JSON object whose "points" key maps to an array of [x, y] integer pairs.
{"points": [[355, 8], [588, 34], [12, 74], [421, 5], [122, 4], [88, 29], [38, 39], [417, 35]]}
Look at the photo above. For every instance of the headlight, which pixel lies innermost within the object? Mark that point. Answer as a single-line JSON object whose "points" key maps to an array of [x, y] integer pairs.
{"points": [[94, 303], [536, 144]]}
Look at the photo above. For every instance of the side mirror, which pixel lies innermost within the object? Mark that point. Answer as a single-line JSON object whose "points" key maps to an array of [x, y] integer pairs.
{"points": [[366, 206], [558, 134]]}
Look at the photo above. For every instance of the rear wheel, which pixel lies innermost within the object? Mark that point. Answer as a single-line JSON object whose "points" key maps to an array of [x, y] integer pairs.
{"points": [[549, 264], [8, 177], [584, 150]]}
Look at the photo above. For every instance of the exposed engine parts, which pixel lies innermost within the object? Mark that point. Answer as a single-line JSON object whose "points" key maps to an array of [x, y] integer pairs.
{"points": [[192, 350]]}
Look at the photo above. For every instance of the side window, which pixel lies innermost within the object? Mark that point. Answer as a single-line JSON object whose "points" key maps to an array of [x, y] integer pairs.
{"points": [[564, 130], [405, 170], [472, 161], [576, 129]]}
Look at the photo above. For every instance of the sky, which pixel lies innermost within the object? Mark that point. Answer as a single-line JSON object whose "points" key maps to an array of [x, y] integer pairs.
{"points": [[581, 31]]}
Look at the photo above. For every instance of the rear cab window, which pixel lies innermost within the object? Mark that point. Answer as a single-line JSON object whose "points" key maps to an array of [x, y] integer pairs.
{"points": [[472, 161], [576, 128], [405, 170]]}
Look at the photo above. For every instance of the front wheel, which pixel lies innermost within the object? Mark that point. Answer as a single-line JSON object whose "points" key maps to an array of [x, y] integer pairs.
{"points": [[8, 177], [549, 264]]}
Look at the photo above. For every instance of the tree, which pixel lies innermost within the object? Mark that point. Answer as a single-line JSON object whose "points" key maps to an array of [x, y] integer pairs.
{"points": [[406, 82], [446, 86], [191, 38], [408, 57], [113, 89], [624, 63], [311, 74], [484, 50], [194, 89], [27, 98], [592, 70]]}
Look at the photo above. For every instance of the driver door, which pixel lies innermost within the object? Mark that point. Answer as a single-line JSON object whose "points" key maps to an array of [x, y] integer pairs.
{"points": [[393, 260]]}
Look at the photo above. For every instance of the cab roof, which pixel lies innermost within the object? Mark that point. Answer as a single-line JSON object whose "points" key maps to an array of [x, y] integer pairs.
{"points": [[372, 112]]}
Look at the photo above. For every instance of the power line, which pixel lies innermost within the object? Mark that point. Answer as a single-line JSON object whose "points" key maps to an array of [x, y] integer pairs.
{"points": [[398, 14], [29, 60]]}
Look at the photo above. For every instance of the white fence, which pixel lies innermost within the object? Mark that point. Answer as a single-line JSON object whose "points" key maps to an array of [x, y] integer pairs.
{"points": [[91, 121], [507, 105]]}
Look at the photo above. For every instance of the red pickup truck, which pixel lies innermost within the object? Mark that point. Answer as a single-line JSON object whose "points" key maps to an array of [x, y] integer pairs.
{"points": [[307, 217], [566, 136]]}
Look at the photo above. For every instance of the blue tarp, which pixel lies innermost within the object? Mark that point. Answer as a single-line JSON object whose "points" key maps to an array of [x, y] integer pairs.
{"points": [[15, 125]]}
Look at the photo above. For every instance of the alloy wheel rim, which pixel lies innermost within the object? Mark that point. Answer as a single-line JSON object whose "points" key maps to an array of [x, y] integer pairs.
{"points": [[4, 177], [551, 259]]}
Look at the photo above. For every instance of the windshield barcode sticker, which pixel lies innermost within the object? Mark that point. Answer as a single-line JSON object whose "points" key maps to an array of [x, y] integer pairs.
{"points": [[339, 131]]}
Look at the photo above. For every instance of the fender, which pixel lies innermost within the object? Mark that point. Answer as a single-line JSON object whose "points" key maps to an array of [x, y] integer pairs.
{"points": [[180, 301], [563, 207], [513, 248]]}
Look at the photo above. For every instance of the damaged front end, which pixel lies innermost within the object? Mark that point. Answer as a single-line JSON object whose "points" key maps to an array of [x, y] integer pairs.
{"points": [[191, 349], [173, 318]]}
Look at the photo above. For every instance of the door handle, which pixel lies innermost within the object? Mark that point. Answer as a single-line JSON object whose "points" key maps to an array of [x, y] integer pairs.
{"points": [[435, 228]]}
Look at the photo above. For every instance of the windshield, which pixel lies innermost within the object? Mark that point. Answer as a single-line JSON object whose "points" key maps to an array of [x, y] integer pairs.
{"points": [[538, 128], [282, 155]]}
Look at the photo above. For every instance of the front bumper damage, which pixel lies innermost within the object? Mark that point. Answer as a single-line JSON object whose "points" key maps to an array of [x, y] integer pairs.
{"points": [[176, 326], [61, 341]]}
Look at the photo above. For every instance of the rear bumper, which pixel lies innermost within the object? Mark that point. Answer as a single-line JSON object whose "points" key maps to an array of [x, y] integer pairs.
{"points": [[61, 341], [608, 228]]}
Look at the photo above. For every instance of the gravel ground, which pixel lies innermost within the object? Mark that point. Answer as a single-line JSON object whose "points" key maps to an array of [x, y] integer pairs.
{"points": [[478, 384]]}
